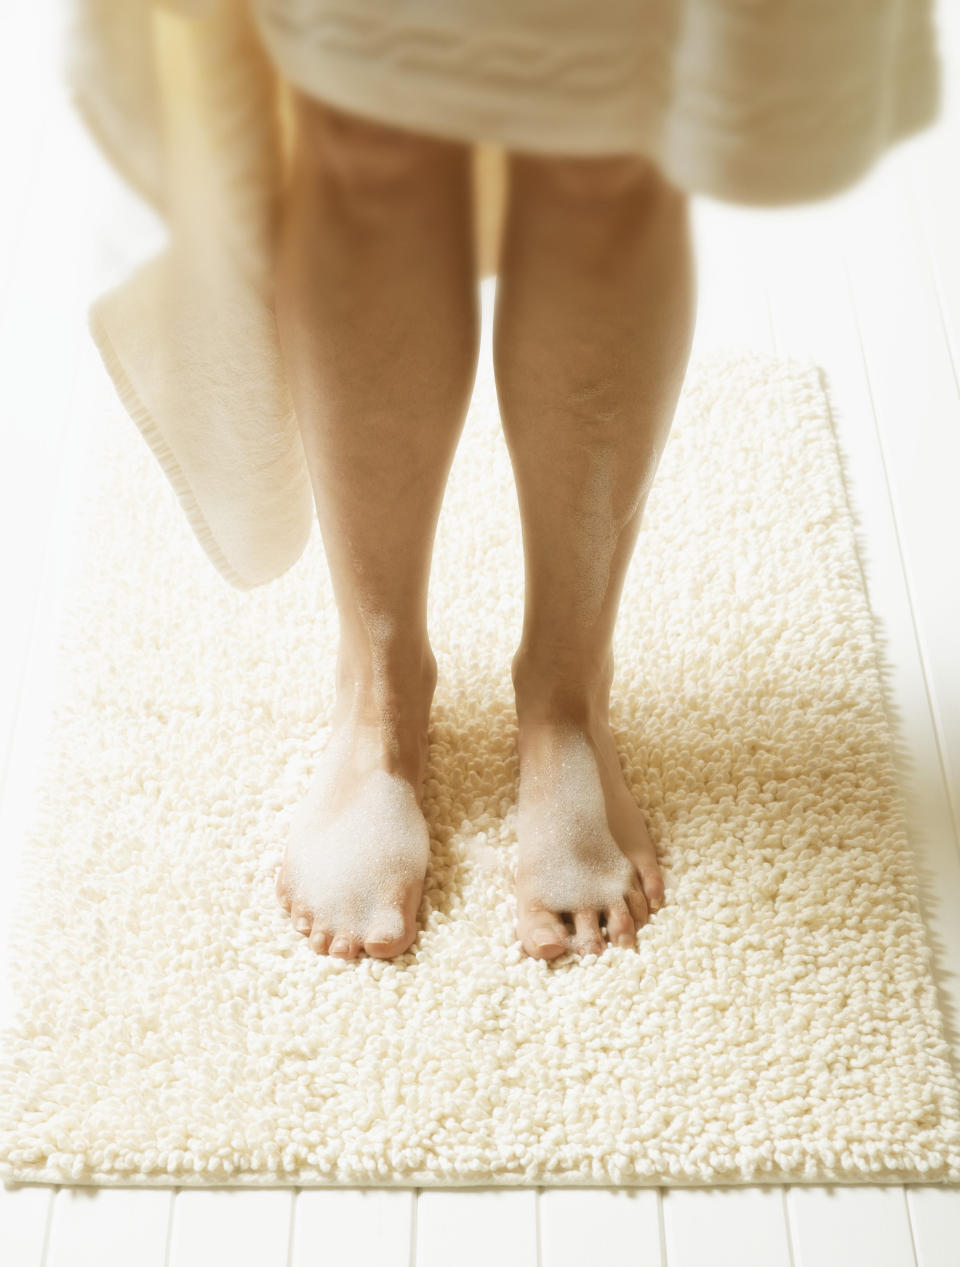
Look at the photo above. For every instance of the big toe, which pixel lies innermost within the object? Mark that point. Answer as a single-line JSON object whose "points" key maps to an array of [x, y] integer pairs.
{"points": [[390, 935], [542, 933]]}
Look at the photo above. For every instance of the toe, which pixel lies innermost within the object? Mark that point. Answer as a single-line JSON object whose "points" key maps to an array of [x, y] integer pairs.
{"points": [[648, 869], [653, 887], [542, 934], [383, 947], [638, 844], [345, 946], [587, 936], [621, 930], [301, 920], [281, 891], [638, 906], [320, 939], [388, 936]]}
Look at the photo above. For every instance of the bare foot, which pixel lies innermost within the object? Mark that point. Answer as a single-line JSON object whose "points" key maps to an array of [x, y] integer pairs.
{"points": [[585, 852], [356, 858]]}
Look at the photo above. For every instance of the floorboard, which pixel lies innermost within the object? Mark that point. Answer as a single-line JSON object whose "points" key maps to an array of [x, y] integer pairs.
{"points": [[725, 1227], [597, 1225], [109, 1227], [231, 1226], [935, 1222], [476, 1228], [352, 1226], [24, 1224], [864, 1226]]}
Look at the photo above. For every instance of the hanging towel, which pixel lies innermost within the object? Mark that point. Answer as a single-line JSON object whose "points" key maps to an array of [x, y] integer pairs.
{"points": [[190, 107]]}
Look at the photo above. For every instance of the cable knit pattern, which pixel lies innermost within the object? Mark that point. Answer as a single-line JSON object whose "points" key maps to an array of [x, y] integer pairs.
{"points": [[778, 1019], [498, 57], [738, 99]]}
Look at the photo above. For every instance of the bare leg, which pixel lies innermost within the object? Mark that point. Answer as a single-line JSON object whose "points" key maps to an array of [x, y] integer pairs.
{"points": [[378, 316], [595, 314]]}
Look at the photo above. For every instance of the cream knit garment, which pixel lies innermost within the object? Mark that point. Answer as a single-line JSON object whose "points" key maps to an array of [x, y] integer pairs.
{"points": [[776, 1021], [740, 99], [737, 99]]}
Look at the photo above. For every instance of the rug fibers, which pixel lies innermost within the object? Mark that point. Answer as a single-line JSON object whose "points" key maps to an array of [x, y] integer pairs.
{"points": [[777, 1020]]}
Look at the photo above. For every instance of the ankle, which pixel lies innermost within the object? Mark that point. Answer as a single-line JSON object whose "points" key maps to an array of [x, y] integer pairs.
{"points": [[552, 688], [386, 708], [396, 682]]}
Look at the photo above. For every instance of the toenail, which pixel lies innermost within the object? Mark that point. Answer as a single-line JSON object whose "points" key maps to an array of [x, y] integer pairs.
{"points": [[379, 945], [302, 925], [625, 940], [340, 946], [544, 937], [655, 904]]}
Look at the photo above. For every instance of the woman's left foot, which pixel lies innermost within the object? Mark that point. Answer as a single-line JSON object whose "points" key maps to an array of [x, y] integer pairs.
{"points": [[584, 849]]}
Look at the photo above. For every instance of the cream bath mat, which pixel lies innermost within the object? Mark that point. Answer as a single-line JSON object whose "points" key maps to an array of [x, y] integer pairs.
{"points": [[778, 1018]]}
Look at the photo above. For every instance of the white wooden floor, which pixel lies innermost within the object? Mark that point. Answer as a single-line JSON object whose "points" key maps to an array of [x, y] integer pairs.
{"points": [[869, 285]]}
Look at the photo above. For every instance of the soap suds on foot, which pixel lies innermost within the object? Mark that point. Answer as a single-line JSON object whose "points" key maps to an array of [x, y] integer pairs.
{"points": [[358, 847], [569, 858]]}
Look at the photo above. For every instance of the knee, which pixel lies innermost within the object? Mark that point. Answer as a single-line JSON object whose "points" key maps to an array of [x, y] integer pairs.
{"points": [[364, 155], [596, 180]]}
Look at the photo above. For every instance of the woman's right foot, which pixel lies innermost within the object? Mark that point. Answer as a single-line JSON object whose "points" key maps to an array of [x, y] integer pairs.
{"points": [[356, 859]]}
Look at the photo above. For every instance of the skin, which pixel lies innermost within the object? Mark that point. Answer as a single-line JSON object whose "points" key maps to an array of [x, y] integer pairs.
{"points": [[378, 315]]}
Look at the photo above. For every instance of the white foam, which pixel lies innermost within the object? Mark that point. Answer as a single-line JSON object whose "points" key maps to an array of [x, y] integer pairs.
{"points": [[353, 865], [571, 861]]}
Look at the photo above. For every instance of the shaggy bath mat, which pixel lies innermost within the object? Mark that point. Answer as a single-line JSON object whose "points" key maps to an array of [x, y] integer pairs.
{"points": [[777, 1020]]}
